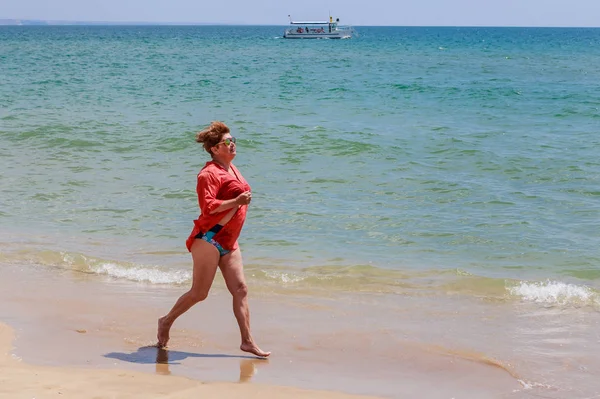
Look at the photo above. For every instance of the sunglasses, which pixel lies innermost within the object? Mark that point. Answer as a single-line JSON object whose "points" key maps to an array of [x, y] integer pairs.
{"points": [[228, 141]]}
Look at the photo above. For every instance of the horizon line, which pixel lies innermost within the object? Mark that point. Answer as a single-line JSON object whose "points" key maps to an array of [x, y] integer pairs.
{"points": [[44, 22]]}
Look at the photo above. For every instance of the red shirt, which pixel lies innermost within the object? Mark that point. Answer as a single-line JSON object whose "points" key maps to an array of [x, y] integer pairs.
{"points": [[215, 185]]}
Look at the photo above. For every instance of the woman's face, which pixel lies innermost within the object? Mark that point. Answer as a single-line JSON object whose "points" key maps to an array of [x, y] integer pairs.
{"points": [[226, 147]]}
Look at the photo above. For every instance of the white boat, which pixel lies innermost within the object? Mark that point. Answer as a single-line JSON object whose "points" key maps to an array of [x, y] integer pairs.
{"points": [[318, 30]]}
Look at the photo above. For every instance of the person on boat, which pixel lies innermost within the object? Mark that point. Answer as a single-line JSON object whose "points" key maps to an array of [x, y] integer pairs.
{"points": [[223, 197]]}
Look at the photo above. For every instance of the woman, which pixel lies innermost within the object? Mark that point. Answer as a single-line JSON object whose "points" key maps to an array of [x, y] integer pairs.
{"points": [[223, 195]]}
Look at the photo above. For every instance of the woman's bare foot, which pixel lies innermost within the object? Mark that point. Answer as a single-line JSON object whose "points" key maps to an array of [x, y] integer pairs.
{"points": [[163, 333], [251, 347]]}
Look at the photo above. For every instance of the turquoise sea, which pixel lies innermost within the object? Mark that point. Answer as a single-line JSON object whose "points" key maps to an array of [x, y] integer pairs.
{"points": [[404, 161]]}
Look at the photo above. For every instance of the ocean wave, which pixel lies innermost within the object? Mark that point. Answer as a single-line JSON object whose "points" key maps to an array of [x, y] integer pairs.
{"points": [[122, 270], [87, 264], [268, 275], [151, 274], [555, 293], [283, 277]]}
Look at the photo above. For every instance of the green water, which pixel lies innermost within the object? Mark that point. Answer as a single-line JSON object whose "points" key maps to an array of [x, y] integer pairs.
{"points": [[405, 149]]}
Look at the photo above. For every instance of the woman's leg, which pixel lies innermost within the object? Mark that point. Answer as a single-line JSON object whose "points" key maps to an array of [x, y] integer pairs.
{"points": [[206, 258], [232, 268]]}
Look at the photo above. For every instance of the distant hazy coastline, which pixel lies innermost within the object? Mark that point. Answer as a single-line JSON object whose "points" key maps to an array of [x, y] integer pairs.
{"points": [[38, 22]]}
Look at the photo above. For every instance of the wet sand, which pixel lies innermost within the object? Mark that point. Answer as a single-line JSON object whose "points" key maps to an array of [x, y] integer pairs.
{"points": [[20, 380], [99, 330]]}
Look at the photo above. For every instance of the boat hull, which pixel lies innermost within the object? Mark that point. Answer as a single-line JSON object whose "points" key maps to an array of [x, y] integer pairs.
{"points": [[315, 36]]}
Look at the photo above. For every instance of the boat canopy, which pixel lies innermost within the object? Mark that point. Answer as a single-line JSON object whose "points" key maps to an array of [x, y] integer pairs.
{"points": [[310, 22]]}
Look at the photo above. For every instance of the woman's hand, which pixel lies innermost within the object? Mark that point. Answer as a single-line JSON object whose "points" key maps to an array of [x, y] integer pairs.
{"points": [[244, 198]]}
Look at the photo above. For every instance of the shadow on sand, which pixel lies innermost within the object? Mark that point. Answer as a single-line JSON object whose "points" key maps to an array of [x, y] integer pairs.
{"points": [[164, 357]]}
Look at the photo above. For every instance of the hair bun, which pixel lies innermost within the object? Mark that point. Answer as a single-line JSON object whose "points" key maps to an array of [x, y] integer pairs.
{"points": [[212, 135]]}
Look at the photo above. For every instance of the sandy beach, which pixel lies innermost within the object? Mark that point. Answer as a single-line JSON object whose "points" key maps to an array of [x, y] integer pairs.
{"points": [[78, 335]]}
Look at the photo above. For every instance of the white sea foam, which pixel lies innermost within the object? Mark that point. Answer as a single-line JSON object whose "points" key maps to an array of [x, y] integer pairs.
{"points": [[143, 274], [530, 385], [284, 277], [555, 292]]}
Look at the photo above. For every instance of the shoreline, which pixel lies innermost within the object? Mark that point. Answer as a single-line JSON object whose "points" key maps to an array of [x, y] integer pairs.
{"points": [[344, 344]]}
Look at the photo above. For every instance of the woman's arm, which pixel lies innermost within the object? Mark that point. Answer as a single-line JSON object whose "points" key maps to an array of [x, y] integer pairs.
{"points": [[242, 199], [207, 189], [228, 216]]}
